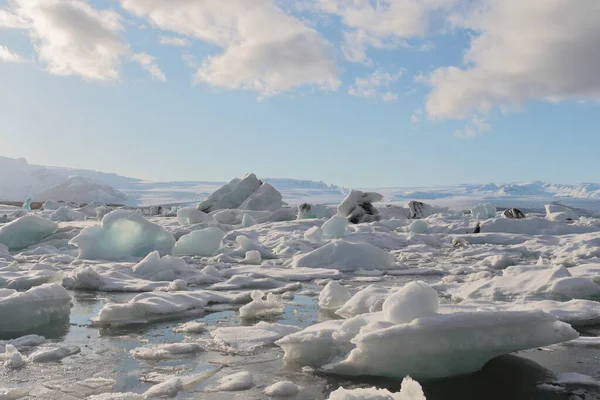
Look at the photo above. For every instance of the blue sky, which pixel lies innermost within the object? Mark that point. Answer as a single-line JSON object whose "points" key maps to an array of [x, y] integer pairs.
{"points": [[467, 93]]}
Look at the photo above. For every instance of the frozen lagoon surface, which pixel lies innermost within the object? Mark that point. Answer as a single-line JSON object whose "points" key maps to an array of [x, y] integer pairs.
{"points": [[154, 327]]}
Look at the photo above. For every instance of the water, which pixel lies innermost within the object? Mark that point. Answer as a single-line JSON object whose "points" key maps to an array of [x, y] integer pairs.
{"points": [[106, 364]]}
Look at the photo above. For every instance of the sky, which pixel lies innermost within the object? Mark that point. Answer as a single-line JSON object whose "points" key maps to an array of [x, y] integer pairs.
{"points": [[358, 93]]}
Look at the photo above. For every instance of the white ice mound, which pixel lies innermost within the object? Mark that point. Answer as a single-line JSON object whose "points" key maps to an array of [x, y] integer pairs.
{"points": [[167, 268], [431, 346], [447, 345], [367, 300], [529, 283], [413, 300], [333, 296], [148, 307], [26, 231], [191, 216], [346, 256], [335, 227], [249, 338], [311, 211], [38, 306], [67, 214], [418, 226], [282, 389], [358, 207], [411, 390], [165, 351], [558, 213], [200, 243], [235, 382], [314, 234], [483, 211], [123, 234], [261, 308], [248, 193]]}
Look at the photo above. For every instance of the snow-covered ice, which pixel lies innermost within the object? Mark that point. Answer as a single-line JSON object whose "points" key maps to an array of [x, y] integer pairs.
{"points": [[410, 390], [346, 256], [333, 296], [282, 389], [358, 207], [204, 242], [335, 227], [250, 338], [261, 308]]}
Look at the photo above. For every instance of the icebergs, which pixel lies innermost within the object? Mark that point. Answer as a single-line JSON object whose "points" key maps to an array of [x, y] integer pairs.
{"points": [[282, 389], [513, 213], [418, 226], [165, 351], [346, 256], [148, 307], [235, 382], [306, 211], [314, 234], [368, 300], [357, 207], [246, 194], [26, 231], [36, 307], [67, 214], [333, 296], [558, 213], [204, 242], [335, 227], [246, 339], [123, 234], [414, 300], [419, 210], [430, 346], [191, 216], [411, 390], [483, 211], [167, 268], [261, 308]]}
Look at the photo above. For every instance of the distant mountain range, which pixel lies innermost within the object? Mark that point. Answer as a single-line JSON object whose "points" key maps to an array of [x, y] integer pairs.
{"points": [[19, 179]]}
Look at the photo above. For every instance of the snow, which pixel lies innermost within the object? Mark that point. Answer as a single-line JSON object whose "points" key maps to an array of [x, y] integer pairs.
{"points": [[558, 213], [411, 390], [357, 207], [309, 211], [335, 227], [333, 296], [204, 242], [249, 338], [483, 211], [247, 194], [346, 256], [191, 216], [37, 306], [26, 231], [282, 389], [123, 234], [414, 300], [261, 308], [235, 382]]}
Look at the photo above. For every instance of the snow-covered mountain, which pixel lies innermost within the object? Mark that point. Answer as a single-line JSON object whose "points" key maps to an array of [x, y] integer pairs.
{"points": [[19, 179]]}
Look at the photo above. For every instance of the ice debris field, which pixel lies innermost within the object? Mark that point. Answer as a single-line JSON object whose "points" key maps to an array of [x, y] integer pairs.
{"points": [[244, 295]]}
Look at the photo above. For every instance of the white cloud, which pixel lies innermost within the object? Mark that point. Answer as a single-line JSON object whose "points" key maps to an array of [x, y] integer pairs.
{"points": [[417, 116], [265, 49], [148, 62], [7, 56], [368, 86], [521, 51], [71, 37], [174, 41], [389, 97], [477, 127], [381, 23]]}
